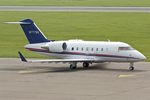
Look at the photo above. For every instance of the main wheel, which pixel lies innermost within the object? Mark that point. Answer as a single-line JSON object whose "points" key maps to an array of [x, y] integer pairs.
{"points": [[85, 64], [73, 66], [131, 68]]}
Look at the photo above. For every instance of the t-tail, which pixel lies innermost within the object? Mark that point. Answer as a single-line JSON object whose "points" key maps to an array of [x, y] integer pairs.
{"points": [[32, 32]]}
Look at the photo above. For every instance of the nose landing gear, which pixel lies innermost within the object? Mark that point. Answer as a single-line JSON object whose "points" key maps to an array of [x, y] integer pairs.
{"points": [[74, 65], [131, 68]]}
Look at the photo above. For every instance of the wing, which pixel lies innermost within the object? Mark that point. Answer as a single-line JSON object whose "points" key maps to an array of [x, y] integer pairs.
{"points": [[54, 60]]}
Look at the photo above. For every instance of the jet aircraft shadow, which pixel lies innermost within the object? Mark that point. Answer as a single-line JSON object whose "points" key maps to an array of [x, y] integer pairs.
{"points": [[45, 69], [95, 67]]}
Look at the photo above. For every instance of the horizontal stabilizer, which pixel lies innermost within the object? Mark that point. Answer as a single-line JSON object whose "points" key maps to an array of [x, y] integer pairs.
{"points": [[22, 57], [17, 22]]}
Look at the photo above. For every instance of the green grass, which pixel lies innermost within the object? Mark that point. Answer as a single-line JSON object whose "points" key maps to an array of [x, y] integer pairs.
{"points": [[132, 28], [77, 2]]}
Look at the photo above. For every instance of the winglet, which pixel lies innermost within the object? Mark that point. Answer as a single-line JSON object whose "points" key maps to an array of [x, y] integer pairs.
{"points": [[22, 57]]}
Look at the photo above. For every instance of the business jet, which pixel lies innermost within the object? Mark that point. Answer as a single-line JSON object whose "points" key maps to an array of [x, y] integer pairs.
{"points": [[76, 51]]}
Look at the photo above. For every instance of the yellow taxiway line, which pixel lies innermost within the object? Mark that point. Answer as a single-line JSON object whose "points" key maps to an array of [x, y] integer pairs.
{"points": [[125, 76]]}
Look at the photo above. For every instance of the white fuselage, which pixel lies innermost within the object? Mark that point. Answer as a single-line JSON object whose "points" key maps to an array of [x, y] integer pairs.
{"points": [[98, 51]]}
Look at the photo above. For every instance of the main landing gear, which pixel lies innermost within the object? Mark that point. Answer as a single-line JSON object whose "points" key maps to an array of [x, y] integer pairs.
{"points": [[85, 65], [74, 65], [131, 68]]}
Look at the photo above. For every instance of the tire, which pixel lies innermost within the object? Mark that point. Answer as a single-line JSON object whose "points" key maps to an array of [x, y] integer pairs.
{"points": [[72, 66], [131, 68], [85, 65]]}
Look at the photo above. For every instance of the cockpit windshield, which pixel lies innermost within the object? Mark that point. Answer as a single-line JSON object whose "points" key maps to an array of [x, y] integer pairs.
{"points": [[125, 48]]}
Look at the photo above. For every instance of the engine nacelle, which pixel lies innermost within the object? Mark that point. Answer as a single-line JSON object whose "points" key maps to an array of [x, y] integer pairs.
{"points": [[57, 46]]}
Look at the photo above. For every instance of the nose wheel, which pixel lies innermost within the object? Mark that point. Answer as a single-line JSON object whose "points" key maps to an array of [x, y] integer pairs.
{"points": [[131, 68]]}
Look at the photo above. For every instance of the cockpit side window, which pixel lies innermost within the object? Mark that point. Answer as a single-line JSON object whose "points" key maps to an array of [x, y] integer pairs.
{"points": [[125, 48]]}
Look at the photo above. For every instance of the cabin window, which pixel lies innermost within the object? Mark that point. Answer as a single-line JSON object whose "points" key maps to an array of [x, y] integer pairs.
{"points": [[96, 49], [72, 48], [87, 49], [82, 49], [92, 49], [77, 48], [101, 49]]}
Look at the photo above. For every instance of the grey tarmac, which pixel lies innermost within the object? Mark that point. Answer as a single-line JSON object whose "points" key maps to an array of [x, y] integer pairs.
{"points": [[106, 81], [75, 9]]}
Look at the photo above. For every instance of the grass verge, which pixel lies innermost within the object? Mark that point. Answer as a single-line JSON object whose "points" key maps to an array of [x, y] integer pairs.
{"points": [[75, 2], [132, 28]]}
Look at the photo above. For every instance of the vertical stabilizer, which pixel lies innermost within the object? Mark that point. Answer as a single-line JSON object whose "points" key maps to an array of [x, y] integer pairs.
{"points": [[32, 32]]}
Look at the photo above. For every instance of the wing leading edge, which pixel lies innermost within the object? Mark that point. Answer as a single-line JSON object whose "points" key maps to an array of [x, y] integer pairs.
{"points": [[54, 60]]}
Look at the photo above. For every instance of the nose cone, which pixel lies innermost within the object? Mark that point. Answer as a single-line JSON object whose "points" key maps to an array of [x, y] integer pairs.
{"points": [[141, 56]]}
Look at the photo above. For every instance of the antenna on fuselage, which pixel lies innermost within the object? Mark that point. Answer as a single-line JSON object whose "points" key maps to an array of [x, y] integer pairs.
{"points": [[108, 40]]}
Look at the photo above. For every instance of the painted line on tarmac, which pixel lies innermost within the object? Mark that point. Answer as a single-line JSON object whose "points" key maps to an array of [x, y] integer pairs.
{"points": [[26, 72], [126, 76], [75, 9], [32, 71]]}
